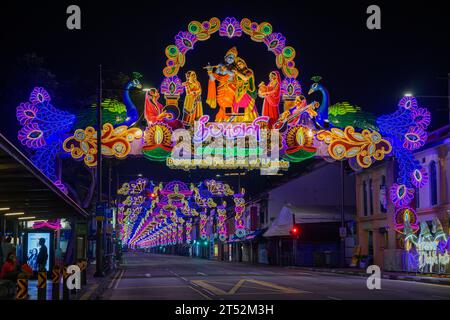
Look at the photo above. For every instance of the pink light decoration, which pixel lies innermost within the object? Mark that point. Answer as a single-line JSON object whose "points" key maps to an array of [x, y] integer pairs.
{"points": [[51, 224], [203, 221], [221, 217], [226, 129], [188, 232], [239, 207]]}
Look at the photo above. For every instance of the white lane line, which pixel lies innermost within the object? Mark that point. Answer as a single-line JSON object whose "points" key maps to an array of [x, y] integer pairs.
{"points": [[148, 275], [118, 279], [201, 273], [114, 279], [333, 298]]}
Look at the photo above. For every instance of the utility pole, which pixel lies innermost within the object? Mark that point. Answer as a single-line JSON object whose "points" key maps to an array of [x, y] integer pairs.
{"points": [[99, 215], [342, 231]]}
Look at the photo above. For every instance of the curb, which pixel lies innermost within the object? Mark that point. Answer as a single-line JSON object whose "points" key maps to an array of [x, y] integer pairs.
{"points": [[385, 276]]}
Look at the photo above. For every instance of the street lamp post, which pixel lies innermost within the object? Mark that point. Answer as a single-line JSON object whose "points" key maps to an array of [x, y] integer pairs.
{"points": [[99, 207]]}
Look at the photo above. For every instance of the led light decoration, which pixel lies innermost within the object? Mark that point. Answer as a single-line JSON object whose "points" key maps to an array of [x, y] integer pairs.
{"points": [[203, 221], [172, 86], [221, 217], [406, 215], [42, 129], [239, 208], [156, 214], [406, 129], [116, 142], [291, 88], [188, 232], [230, 28], [366, 146], [51, 224]]}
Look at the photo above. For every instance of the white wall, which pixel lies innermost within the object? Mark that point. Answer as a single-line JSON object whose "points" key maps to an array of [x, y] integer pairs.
{"points": [[320, 187]]}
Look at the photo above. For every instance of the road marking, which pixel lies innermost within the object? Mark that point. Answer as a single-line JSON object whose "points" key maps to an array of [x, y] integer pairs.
{"points": [[275, 286], [220, 292], [201, 273], [150, 287], [114, 279], [148, 275], [333, 298], [201, 293], [88, 293], [119, 278]]}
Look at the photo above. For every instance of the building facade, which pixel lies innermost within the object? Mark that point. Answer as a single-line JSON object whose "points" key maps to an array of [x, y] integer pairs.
{"points": [[378, 241]]}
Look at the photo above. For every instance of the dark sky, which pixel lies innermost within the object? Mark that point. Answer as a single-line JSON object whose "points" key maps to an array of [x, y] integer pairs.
{"points": [[368, 68]]}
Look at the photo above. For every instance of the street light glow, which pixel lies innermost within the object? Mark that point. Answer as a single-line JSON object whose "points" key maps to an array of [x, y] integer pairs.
{"points": [[408, 94], [14, 214]]}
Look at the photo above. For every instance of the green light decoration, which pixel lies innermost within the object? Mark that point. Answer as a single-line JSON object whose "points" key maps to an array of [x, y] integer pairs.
{"points": [[157, 154], [343, 114], [298, 155]]}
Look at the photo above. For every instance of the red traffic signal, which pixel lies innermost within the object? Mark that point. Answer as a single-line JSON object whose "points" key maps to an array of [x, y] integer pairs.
{"points": [[295, 230]]}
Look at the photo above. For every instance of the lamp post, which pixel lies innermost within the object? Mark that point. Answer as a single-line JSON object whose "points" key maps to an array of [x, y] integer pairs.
{"points": [[99, 215]]}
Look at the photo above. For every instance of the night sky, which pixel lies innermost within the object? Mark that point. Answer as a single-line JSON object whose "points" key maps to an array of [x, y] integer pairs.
{"points": [[369, 68]]}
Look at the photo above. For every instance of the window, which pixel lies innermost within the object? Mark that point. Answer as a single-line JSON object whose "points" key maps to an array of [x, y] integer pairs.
{"points": [[433, 183], [371, 196], [365, 197], [383, 195]]}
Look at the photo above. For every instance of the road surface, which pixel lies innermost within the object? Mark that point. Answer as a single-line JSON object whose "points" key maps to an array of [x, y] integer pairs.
{"points": [[156, 277]]}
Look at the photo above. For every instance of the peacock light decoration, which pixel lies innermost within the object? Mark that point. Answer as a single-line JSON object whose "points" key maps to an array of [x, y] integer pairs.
{"points": [[341, 114], [114, 111], [44, 127]]}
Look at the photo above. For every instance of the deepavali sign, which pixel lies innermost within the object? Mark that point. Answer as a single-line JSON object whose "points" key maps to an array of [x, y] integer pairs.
{"points": [[267, 126]]}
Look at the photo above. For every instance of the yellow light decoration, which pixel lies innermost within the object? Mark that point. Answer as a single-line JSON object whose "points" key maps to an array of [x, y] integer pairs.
{"points": [[257, 33], [116, 142], [365, 146], [204, 30]]}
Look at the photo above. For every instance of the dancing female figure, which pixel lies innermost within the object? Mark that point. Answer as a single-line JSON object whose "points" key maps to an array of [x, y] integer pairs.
{"points": [[192, 103], [271, 94]]}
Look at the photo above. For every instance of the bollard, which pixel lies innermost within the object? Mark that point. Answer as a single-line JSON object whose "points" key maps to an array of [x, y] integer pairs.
{"points": [[42, 285], [22, 288], [65, 289], [56, 279]]}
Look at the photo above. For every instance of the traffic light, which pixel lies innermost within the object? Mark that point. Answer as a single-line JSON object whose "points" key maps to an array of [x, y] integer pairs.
{"points": [[295, 230]]}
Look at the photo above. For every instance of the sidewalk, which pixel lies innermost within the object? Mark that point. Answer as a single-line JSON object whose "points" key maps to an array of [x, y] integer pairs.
{"points": [[427, 278], [91, 291]]}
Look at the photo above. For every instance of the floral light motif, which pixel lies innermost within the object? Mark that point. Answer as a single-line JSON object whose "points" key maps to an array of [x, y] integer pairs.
{"points": [[414, 138], [230, 28], [421, 117], [365, 146], [39, 95], [32, 136], [26, 112], [419, 177], [401, 195], [291, 87], [172, 86], [185, 41], [408, 103], [275, 43]]}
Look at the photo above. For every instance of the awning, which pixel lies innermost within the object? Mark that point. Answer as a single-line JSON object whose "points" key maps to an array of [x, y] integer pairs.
{"points": [[255, 234], [283, 223], [24, 188]]}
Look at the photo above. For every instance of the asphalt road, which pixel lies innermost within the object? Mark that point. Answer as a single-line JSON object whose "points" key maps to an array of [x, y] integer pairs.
{"points": [[155, 277]]}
